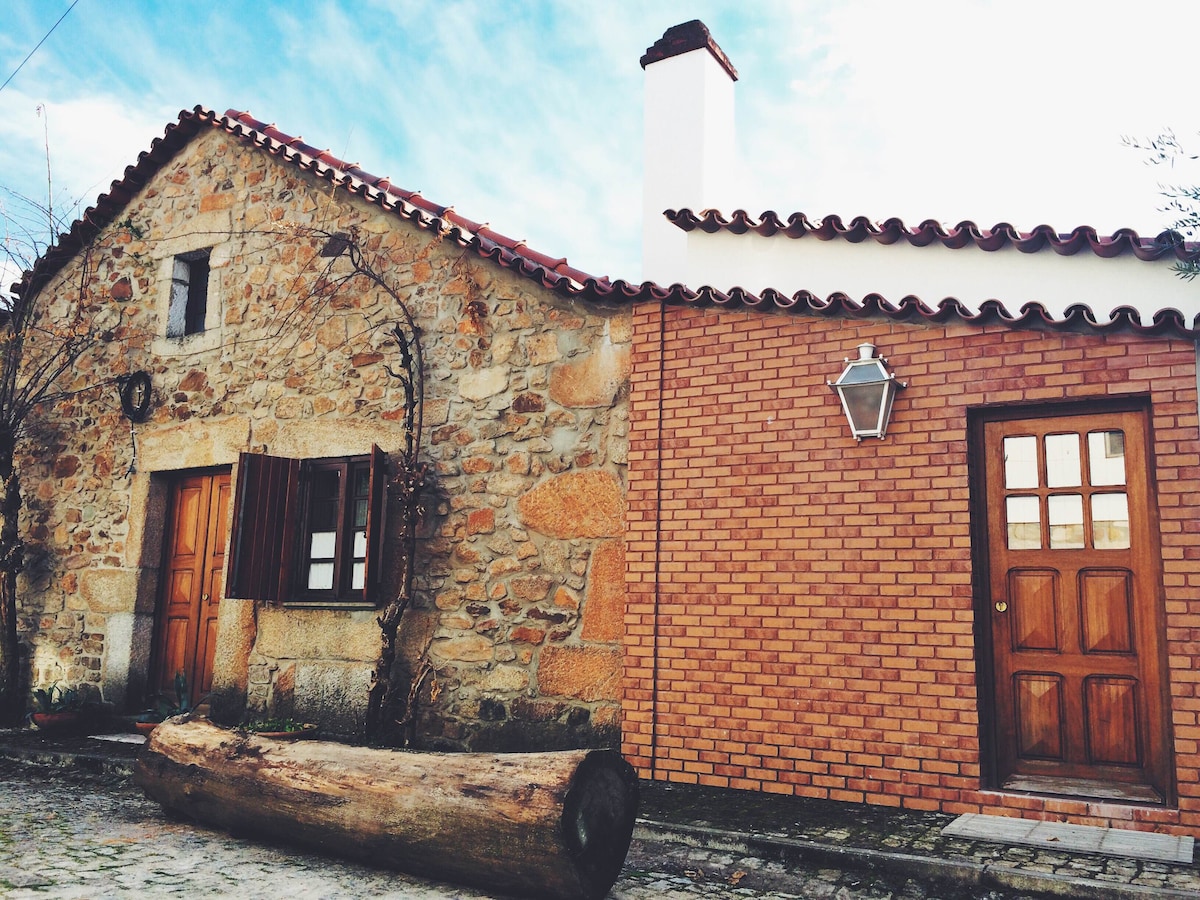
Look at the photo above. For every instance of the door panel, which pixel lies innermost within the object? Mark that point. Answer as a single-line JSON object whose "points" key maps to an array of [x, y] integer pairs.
{"points": [[174, 655], [1106, 611], [186, 625], [1074, 606], [188, 499], [1034, 607], [1039, 706], [210, 598], [1112, 714]]}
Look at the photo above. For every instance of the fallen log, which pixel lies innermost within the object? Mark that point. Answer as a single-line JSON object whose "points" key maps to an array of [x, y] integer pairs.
{"points": [[552, 825]]}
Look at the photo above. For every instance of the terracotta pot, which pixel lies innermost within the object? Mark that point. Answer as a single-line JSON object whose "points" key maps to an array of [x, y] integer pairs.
{"points": [[145, 727], [59, 721]]}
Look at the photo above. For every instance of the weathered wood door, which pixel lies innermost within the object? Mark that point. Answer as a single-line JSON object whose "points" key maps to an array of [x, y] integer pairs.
{"points": [[1075, 609], [193, 564]]}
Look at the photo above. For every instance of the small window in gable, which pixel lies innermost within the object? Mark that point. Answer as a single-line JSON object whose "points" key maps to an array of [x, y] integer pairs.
{"points": [[189, 294], [308, 531]]}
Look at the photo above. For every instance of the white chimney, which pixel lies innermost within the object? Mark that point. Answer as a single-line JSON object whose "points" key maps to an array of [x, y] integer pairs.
{"points": [[688, 142]]}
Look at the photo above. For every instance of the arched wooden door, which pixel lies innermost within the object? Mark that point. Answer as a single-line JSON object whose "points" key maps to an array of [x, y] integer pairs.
{"points": [[191, 583], [1076, 624]]}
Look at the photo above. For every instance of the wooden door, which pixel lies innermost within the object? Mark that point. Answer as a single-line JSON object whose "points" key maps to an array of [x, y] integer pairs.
{"points": [[1075, 610], [193, 565]]}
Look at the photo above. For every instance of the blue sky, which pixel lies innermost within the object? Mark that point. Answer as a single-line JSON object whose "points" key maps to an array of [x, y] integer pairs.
{"points": [[527, 115]]}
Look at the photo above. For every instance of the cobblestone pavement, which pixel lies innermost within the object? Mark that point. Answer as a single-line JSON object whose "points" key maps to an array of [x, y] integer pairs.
{"points": [[667, 871], [73, 835], [784, 821]]}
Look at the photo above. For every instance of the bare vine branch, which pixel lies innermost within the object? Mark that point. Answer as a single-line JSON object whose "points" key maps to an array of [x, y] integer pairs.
{"points": [[1182, 200]]}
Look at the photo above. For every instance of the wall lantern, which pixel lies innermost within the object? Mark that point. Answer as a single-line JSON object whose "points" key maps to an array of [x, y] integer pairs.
{"points": [[867, 391], [135, 395]]}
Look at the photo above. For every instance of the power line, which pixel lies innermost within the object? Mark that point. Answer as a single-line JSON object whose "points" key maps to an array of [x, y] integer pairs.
{"points": [[39, 43]]}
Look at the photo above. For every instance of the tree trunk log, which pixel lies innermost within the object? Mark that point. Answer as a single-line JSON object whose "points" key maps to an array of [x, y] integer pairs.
{"points": [[554, 825]]}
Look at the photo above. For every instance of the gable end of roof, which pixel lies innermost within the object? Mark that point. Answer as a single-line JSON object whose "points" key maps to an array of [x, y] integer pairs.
{"points": [[550, 272]]}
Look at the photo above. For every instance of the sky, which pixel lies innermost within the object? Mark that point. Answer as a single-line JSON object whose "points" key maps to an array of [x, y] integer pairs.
{"points": [[527, 115]]}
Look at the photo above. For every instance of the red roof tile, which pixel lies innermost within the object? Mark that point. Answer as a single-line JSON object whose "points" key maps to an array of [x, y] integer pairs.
{"points": [[550, 272], [556, 275], [1032, 317], [961, 235]]}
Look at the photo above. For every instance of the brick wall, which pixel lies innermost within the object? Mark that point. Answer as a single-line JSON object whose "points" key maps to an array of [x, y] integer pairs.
{"points": [[800, 615]]}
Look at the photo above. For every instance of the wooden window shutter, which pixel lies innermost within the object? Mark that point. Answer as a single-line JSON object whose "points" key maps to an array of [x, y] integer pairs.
{"points": [[260, 561], [376, 523]]}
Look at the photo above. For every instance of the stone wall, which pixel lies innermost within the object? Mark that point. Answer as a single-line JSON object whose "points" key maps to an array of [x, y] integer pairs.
{"points": [[530, 456], [520, 583]]}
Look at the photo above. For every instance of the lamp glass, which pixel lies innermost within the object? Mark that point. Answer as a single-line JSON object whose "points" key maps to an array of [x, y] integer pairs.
{"points": [[864, 404], [867, 392]]}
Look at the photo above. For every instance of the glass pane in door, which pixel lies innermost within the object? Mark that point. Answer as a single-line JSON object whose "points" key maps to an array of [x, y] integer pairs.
{"points": [[1024, 518], [1065, 512], [1106, 458], [1062, 461], [1020, 463]]}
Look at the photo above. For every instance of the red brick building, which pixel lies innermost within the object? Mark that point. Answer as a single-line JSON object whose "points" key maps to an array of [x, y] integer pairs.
{"points": [[996, 608], [813, 615]]}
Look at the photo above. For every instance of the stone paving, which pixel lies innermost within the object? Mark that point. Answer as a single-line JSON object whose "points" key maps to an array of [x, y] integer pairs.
{"points": [[790, 828], [73, 835]]}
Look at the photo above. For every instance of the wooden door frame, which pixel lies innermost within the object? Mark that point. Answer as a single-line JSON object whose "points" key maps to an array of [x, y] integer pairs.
{"points": [[167, 481], [977, 418]]}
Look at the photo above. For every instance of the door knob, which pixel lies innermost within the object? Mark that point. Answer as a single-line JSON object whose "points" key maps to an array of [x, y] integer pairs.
{"points": [[1001, 606]]}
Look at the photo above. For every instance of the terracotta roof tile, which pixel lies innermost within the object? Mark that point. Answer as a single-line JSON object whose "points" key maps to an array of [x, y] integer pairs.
{"points": [[964, 234], [910, 309], [551, 272], [556, 275]]}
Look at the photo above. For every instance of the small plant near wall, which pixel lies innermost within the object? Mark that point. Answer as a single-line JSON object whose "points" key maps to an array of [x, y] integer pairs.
{"points": [[56, 707], [279, 728], [167, 706]]}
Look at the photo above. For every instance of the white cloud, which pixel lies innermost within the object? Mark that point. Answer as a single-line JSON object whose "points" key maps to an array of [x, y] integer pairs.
{"points": [[991, 111], [529, 116]]}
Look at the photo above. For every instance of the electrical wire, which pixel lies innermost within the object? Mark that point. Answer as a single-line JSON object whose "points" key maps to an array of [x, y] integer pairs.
{"points": [[39, 44]]}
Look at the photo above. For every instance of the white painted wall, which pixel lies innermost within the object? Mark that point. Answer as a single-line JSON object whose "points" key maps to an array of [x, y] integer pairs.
{"points": [[689, 158], [933, 273], [690, 162]]}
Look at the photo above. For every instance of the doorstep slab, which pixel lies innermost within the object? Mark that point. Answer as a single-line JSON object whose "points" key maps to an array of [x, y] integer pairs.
{"points": [[119, 738], [1062, 836]]}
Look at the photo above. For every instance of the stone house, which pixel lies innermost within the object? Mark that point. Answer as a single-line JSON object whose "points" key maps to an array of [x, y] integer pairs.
{"points": [[273, 426], [995, 607], [654, 521]]}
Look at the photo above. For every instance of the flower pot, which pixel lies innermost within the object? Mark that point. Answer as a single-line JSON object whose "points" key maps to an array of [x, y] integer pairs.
{"points": [[56, 721], [145, 727]]}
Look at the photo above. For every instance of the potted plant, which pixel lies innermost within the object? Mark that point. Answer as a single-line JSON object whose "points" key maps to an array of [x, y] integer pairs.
{"points": [[279, 729], [56, 708], [166, 707]]}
